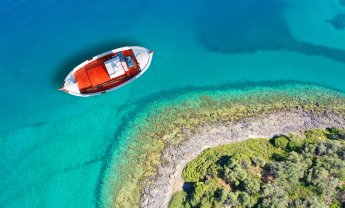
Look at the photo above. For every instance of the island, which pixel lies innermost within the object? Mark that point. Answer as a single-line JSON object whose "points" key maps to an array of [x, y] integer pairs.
{"points": [[178, 151], [305, 170]]}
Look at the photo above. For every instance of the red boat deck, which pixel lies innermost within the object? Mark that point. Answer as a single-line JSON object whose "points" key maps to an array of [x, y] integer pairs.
{"points": [[94, 77]]}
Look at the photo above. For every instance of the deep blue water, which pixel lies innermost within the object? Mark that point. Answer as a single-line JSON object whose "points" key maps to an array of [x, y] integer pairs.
{"points": [[53, 146]]}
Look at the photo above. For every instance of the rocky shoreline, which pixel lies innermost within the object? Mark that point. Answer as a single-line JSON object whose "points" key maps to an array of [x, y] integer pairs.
{"points": [[159, 189]]}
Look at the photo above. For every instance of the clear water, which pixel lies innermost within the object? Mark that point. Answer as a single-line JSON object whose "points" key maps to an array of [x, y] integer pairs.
{"points": [[54, 147]]}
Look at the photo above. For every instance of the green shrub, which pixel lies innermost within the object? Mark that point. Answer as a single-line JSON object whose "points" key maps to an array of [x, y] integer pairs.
{"points": [[335, 205], [244, 199], [295, 143], [281, 142], [221, 194], [198, 168], [335, 133], [177, 199], [199, 190], [315, 135]]}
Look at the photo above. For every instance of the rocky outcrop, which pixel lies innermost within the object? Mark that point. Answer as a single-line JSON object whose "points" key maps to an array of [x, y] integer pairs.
{"points": [[159, 189]]}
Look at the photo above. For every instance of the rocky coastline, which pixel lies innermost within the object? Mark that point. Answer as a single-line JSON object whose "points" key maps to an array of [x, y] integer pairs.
{"points": [[173, 131], [159, 189]]}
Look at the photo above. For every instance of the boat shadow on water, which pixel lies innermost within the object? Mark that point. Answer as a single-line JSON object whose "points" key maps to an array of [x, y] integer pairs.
{"points": [[85, 53]]}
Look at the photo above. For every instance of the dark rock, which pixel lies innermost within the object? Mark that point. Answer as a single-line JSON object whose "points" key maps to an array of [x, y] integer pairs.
{"points": [[342, 2], [338, 21], [234, 33]]}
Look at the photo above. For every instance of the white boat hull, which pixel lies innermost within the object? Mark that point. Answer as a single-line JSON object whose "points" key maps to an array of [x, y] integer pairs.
{"points": [[143, 57]]}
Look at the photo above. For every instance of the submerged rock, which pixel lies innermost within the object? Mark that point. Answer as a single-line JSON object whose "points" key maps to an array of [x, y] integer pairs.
{"points": [[342, 2], [338, 21], [249, 26]]}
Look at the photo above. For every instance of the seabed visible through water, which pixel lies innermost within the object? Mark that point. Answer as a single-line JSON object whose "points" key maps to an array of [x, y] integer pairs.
{"points": [[56, 149]]}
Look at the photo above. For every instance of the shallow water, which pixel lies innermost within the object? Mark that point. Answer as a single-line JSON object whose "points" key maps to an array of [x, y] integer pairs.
{"points": [[54, 147]]}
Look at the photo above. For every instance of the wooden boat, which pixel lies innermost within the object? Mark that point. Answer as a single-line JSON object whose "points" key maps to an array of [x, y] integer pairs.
{"points": [[107, 71]]}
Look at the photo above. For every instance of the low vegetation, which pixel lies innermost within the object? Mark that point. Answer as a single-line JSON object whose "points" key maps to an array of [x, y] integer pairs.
{"points": [[285, 171]]}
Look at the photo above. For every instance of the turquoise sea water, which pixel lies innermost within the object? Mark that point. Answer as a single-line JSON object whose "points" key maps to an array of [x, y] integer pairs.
{"points": [[55, 148]]}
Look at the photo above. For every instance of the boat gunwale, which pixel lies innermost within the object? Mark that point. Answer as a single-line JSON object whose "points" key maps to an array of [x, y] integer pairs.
{"points": [[150, 53]]}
